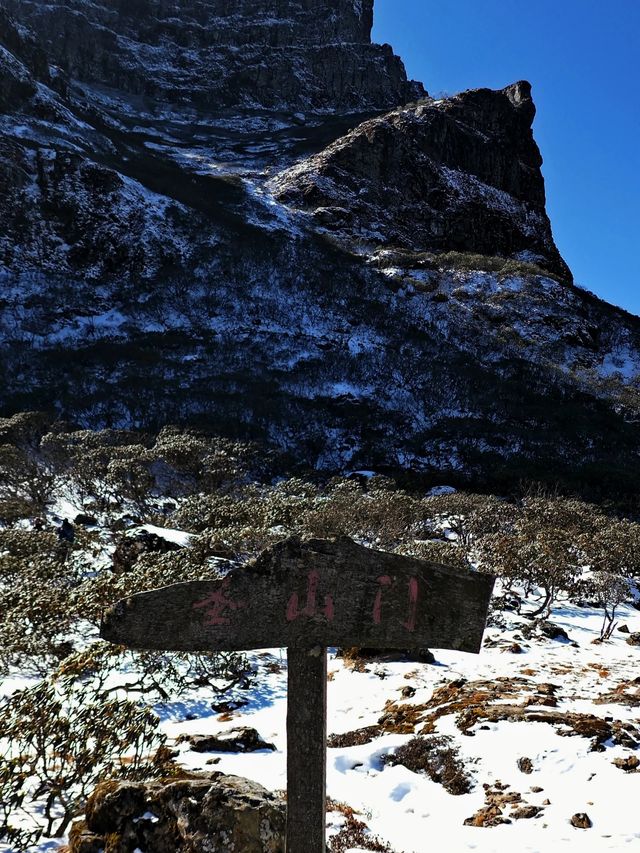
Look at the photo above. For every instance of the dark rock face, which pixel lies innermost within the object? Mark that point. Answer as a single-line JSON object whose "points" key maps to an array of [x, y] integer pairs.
{"points": [[291, 54], [461, 174], [193, 815], [180, 244]]}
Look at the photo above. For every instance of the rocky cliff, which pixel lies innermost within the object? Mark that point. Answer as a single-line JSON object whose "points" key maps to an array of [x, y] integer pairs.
{"points": [[301, 54], [209, 215], [460, 174]]}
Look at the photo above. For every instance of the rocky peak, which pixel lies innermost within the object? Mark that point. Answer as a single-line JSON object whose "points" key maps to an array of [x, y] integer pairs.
{"points": [[284, 54], [461, 174]]}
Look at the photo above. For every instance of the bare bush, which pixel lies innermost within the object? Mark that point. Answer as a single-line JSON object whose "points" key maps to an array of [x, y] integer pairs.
{"points": [[438, 758], [37, 580], [57, 743]]}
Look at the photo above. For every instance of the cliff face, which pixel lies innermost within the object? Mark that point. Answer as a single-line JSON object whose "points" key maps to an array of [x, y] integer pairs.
{"points": [[460, 174], [290, 54], [371, 284]]}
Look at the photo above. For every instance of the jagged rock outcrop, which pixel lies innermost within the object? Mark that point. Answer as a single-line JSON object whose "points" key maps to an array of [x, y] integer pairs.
{"points": [[291, 54], [210, 813], [457, 174]]}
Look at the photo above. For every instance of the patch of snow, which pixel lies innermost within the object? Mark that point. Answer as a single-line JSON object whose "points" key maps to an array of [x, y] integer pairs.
{"points": [[177, 537], [441, 490]]}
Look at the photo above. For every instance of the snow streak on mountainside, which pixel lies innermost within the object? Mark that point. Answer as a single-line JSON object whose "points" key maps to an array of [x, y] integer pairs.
{"points": [[244, 214]]}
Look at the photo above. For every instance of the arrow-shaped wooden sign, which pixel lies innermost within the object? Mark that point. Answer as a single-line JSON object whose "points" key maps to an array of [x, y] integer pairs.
{"points": [[307, 595]]}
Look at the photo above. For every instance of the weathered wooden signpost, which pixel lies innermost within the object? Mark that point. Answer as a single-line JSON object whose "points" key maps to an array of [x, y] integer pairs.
{"points": [[307, 595]]}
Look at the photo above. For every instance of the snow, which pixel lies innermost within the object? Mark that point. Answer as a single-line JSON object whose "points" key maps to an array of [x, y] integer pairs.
{"points": [[623, 362], [405, 808], [441, 490], [178, 537]]}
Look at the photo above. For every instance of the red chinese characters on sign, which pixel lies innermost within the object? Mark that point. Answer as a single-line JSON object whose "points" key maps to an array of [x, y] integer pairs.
{"points": [[218, 605], [311, 609], [385, 582]]}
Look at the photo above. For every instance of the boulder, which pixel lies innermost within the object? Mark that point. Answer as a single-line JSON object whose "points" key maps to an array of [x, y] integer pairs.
{"points": [[207, 813], [581, 820], [525, 765], [631, 764], [138, 542], [544, 628], [242, 739], [526, 812]]}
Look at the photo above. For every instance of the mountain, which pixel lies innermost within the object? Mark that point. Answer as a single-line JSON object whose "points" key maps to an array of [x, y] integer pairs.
{"points": [[243, 215]]}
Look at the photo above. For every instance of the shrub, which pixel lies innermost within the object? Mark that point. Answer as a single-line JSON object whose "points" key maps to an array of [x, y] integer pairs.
{"points": [[443, 553], [468, 515], [548, 542], [536, 551], [155, 675], [38, 575], [609, 590], [26, 477], [438, 758], [58, 742]]}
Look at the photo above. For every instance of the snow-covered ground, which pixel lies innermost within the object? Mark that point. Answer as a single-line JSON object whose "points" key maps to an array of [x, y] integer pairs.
{"points": [[408, 810], [413, 813]]}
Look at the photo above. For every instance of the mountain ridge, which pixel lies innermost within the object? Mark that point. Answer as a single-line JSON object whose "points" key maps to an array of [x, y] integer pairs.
{"points": [[159, 262]]}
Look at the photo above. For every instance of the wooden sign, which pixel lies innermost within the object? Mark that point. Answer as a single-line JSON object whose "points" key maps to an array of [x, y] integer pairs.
{"points": [[307, 595]]}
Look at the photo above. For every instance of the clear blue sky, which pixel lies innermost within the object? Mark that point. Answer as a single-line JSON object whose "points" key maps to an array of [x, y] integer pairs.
{"points": [[583, 59]]}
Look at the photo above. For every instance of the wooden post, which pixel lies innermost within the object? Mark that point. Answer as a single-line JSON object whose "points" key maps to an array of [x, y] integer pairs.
{"points": [[306, 750]]}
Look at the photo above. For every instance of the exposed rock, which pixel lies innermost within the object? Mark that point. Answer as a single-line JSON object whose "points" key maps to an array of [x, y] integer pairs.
{"points": [[624, 629], [552, 631], [138, 542], [462, 173], [544, 628], [198, 814], [526, 812], [634, 639], [366, 654], [85, 520], [625, 693], [242, 739], [629, 764], [478, 702], [497, 798], [228, 706], [525, 765], [581, 820], [294, 54], [487, 816]]}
